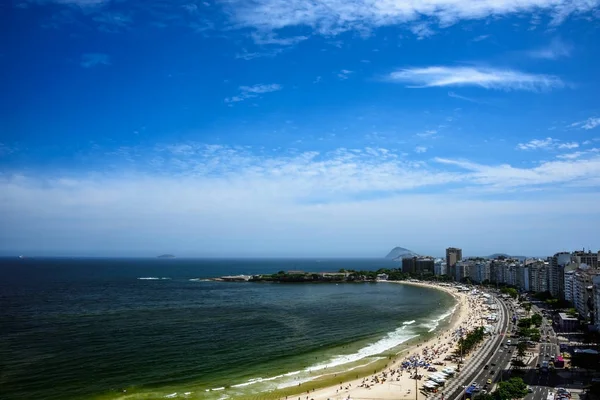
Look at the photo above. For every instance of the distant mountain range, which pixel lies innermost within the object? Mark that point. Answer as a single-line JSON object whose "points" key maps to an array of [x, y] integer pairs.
{"points": [[398, 253], [166, 256]]}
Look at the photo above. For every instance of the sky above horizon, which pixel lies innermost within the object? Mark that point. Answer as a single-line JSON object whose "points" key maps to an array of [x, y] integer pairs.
{"points": [[294, 128]]}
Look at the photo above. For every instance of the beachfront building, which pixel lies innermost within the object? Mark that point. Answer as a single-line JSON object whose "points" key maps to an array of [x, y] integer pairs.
{"points": [[523, 277], [596, 300], [478, 271], [439, 267], [538, 276], [589, 258], [453, 255], [567, 323], [556, 283], [582, 290], [418, 265]]}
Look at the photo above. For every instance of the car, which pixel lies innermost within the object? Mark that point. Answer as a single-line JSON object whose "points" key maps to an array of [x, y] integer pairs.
{"points": [[493, 364], [486, 366], [492, 372], [489, 381], [529, 389]]}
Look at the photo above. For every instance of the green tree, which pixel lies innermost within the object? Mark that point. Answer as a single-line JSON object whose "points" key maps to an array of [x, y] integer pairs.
{"points": [[521, 348], [484, 396], [536, 319], [514, 388]]}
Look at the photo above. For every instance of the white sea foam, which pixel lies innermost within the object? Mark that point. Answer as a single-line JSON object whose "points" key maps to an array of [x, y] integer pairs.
{"points": [[434, 323], [152, 278], [391, 340], [409, 322]]}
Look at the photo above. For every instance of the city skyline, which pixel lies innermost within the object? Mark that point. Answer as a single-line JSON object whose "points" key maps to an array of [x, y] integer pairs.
{"points": [[294, 129]]}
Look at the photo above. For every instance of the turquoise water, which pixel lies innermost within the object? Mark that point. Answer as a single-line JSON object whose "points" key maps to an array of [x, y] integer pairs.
{"points": [[73, 329]]}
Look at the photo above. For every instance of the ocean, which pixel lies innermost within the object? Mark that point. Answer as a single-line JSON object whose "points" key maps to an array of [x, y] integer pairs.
{"points": [[153, 329]]}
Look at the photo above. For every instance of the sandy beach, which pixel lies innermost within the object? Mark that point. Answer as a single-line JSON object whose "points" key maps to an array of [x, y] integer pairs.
{"points": [[394, 381]]}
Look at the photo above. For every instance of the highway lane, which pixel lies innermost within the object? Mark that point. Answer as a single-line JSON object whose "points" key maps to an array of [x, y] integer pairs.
{"points": [[492, 361], [474, 369]]}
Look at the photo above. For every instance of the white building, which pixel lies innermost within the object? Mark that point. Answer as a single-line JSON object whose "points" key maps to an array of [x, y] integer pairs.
{"points": [[569, 276], [596, 297]]}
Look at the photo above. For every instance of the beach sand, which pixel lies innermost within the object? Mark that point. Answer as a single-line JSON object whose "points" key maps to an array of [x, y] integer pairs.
{"points": [[394, 382]]}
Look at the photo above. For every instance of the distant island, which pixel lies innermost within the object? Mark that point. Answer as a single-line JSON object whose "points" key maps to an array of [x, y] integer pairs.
{"points": [[399, 253], [315, 277], [506, 256], [166, 256]]}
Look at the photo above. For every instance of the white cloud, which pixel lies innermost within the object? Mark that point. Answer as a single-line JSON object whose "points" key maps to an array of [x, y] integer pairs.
{"points": [[580, 172], [112, 22], [537, 144], [422, 30], [428, 133], [94, 59], [556, 49], [587, 124], [420, 149], [488, 78], [248, 92], [465, 98], [234, 201], [547, 144], [480, 38], [269, 38], [569, 146], [335, 16], [344, 74]]}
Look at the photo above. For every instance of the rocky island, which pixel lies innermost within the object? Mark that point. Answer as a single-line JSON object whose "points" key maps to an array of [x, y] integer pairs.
{"points": [[166, 256]]}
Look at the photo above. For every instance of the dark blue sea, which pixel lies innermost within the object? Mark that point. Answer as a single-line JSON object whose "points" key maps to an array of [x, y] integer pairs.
{"points": [[94, 328]]}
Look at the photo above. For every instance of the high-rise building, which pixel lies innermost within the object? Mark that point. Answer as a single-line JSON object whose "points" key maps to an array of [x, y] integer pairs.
{"points": [[453, 255], [582, 290], [589, 258], [439, 267], [596, 299], [538, 276], [568, 276], [418, 265], [556, 283]]}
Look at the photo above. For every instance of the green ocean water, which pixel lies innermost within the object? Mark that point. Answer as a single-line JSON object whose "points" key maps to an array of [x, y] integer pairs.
{"points": [[84, 329]]}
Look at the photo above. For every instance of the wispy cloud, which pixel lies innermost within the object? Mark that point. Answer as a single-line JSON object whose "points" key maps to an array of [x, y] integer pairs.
{"points": [[480, 38], [420, 149], [112, 22], [488, 78], [580, 171], [269, 38], [344, 74], [286, 199], [422, 30], [547, 144], [336, 16], [556, 49], [430, 133], [587, 124], [465, 98], [248, 92], [89, 60]]}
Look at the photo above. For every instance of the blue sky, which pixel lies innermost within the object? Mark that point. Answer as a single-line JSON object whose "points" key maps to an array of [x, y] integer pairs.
{"points": [[294, 128]]}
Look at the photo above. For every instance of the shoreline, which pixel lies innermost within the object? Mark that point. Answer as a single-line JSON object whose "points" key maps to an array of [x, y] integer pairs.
{"points": [[398, 383], [327, 385]]}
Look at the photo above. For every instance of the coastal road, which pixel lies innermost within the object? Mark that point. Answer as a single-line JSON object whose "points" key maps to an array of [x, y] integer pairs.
{"points": [[473, 371]]}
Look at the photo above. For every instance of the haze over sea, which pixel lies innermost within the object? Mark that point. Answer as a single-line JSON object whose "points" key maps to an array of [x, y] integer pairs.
{"points": [[88, 328]]}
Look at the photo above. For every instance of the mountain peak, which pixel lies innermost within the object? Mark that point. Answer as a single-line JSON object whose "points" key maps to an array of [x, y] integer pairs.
{"points": [[400, 252]]}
